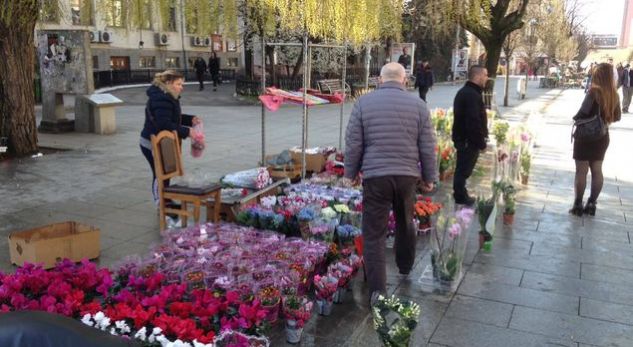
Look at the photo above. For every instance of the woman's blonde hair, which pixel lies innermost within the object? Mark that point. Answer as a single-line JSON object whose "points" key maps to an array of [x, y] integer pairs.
{"points": [[167, 76], [604, 92]]}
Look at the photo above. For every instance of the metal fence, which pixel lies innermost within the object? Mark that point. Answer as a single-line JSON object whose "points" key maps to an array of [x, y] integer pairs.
{"points": [[111, 78]]}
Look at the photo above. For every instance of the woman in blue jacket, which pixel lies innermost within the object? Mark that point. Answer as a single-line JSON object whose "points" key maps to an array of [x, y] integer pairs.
{"points": [[163, 113]]}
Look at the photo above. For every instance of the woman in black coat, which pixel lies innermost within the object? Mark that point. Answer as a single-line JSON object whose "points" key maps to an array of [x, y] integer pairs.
{"points": [[601, 99], [163, 113]]}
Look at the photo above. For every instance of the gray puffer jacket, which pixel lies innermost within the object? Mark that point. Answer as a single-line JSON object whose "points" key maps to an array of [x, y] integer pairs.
{"points": [[388, 134]]}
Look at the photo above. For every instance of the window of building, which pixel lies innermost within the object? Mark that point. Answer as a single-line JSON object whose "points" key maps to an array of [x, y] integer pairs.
{"points": [[172, 62], [120, 63], [232, 62], [49, 11], [95, 62], [147, 62], [81, 12], [115, 14]]}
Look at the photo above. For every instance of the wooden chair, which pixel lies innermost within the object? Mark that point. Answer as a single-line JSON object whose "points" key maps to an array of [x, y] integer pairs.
{"points": [[167, 165]]}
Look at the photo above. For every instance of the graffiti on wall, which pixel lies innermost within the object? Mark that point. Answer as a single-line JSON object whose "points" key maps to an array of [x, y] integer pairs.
{"points": [[62, 56]]}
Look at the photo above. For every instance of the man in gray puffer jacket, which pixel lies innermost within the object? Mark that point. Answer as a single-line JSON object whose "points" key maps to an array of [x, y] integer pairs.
{"points": [[389, 133]]}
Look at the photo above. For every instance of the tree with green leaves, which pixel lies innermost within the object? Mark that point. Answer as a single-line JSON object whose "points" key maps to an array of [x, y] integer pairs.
{"points": [[490, 21]]}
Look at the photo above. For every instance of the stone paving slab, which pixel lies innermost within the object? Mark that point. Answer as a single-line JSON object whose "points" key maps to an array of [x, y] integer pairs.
{"points": [[480, 310], [606, 311], [458, 332], [571, 327], [615, 293]]}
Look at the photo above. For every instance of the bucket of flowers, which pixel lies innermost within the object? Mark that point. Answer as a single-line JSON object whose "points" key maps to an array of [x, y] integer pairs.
{"points": [[297, 311], [395, 320], [448, 245], [446, 159], [231, 338], [343, 273], [424, 208], [346, 234], [304, 217], [270, 298], [325, 287]]}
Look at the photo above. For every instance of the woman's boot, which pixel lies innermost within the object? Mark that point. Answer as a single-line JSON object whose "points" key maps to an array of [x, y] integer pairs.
{"points": [[577, 209], [590, 207]]}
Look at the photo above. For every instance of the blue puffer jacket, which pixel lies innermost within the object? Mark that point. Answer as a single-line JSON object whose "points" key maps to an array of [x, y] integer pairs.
{"points": [[388, 134], [163, 113]]}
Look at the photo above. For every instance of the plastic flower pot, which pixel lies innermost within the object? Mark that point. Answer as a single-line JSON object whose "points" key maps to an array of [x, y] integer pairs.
{"points": [[508, 219], [293, 332], [324, 307]]}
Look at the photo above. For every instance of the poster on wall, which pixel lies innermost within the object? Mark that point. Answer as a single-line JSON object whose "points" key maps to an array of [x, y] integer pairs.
{"points": [[216, 43], [63, 66], [402, 53], [231, 45]]}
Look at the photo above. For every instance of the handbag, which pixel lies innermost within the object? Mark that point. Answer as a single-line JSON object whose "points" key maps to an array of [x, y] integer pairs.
{"points": [[589, 129]]}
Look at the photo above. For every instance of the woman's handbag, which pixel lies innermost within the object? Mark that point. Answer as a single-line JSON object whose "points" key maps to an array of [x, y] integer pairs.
{"points": [[589, 129]]}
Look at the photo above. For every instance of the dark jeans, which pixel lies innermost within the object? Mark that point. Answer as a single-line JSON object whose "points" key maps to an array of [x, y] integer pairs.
{"points": [[150, 160], [423, 91], [379, 195], [216, 79], [466, 161], [200, 76]]}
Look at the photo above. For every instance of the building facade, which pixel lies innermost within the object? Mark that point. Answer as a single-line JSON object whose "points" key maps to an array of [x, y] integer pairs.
{"points": [[626, 39], [161, 43]]}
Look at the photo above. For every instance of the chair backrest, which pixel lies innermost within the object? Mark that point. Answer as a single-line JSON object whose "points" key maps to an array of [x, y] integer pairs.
{"points": [[166, 151]]}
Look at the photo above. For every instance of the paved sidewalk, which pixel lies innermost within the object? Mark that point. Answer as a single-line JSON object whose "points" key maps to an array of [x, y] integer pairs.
{"points": [[553, 279]]}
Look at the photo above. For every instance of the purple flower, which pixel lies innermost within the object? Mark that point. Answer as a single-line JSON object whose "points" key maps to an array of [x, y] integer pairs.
{"points": [[454, 231]]}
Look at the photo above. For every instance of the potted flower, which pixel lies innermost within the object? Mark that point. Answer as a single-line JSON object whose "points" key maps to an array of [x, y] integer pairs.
{"points": [[424, 208], [343, 273], [325, 287], [446, 159], [270, 297], [526, 162], [509, 197], [485, 209], [448, 245], [395, 320], [500, 132], [305, 216], [297, 310], [346, 234]]}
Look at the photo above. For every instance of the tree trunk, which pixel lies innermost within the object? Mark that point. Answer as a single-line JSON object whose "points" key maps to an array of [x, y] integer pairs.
{"points": [[298, 65], [17, 65]]}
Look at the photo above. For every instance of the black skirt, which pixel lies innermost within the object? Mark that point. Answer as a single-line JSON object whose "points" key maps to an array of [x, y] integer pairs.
{"points": [[591, 150]]}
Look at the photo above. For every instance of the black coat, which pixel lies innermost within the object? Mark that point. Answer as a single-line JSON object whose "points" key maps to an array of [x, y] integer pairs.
{"points": [[470, 126], [424, 78], [163, 113], [200, 66], [214, 66]]}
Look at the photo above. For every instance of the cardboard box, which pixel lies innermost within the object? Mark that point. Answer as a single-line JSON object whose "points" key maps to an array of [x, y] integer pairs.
{"points": [[314, 162], [52, 243]]}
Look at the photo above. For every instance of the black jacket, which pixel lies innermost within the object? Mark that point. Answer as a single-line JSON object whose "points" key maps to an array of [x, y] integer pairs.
{"points": [[163, 113], [470, 126], [424, 78], [200, 66], [214, 66]]}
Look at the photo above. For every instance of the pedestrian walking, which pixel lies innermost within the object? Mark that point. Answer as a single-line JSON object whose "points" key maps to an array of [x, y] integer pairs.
{"points": [[388, 134], [627, 87], [424, 80], [201, 67], [163, 112], [470, 130], [214, 70], [601, 100]]}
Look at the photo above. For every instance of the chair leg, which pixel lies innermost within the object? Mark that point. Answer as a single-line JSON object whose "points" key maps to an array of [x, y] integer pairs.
{"points": [[184, 215], [161, 214], [217, 206], [196, 211]]}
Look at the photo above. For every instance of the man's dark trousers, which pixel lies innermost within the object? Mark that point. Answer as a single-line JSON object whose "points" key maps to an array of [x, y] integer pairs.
{"points": [[466, 161], [200, 76], [423, 91], [379, 194]]}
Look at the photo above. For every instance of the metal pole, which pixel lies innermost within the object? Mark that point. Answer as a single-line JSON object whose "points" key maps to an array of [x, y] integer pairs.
{"points": [[340, 129], [304, 134], [456, 55], [262, 92], [182, 36]]}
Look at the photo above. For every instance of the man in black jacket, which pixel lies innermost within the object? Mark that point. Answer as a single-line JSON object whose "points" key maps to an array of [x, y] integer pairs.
{"points": [[214, 70], [470, 130], [200, 67]]}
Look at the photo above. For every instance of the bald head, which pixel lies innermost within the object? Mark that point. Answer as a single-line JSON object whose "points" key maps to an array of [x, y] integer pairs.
{"points": [[392, 72]]}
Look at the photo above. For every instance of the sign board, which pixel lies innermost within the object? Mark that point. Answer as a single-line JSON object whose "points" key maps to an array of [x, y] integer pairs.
{"points": [[403, 53], [216, 43], [604, 41], [104, 99], [460, 64]]}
